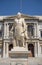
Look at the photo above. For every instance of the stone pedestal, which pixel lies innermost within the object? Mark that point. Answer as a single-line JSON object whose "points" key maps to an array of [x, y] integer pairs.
{"points": [[20, 54]]}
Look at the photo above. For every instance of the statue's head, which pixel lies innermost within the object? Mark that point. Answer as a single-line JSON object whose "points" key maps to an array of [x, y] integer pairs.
{"points": [[19, 15]]}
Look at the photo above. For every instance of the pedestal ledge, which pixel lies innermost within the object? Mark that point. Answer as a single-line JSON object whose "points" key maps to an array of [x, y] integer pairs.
{"points": [[19, 49]]}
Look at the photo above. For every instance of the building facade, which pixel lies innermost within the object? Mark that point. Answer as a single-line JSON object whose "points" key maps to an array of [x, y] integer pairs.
{"points": [[34, 28]]}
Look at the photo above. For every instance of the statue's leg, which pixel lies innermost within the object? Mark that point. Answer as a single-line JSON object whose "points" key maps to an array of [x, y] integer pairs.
{"points": [[23, 42], [17, 42], [14, 43], [26, 34]]}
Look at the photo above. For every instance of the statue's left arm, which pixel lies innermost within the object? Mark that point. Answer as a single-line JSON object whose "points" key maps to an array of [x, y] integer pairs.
{"points": [[24, 25], [25, 28]]}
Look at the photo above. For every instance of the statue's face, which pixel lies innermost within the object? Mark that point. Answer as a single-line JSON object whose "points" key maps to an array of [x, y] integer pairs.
{"points": [[19, 15]]}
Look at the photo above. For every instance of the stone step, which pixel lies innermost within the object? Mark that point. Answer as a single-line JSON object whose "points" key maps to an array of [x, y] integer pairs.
{"points": [[4, 63], [34, 61], [31, 61]]}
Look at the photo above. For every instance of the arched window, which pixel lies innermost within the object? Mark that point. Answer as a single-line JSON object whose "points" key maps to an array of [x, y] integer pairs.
{"points": [[30, 30]]}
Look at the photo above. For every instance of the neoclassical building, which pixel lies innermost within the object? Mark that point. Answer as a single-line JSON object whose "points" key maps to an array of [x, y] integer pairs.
{"points": [[34, 29]]}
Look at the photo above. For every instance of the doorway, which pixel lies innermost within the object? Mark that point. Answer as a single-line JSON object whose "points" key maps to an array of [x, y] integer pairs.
{"points": [[31, 48], [10, 47]]}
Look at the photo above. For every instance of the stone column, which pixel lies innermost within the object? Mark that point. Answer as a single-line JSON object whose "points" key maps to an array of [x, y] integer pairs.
{"points": [[34, 30], [7, 30], [4, 50], [7, 49], [38, 33], [38, 49], [35, 49]]}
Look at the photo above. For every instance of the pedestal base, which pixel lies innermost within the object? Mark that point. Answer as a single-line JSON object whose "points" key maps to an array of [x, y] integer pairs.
{"points": [[20, 62]]}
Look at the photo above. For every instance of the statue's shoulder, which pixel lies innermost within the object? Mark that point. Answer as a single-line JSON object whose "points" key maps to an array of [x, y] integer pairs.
{"points": [[22, 19], [16, 19]]}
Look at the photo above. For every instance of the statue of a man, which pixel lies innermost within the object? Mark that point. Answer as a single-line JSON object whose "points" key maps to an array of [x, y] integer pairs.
{"points": [[20, 33]]}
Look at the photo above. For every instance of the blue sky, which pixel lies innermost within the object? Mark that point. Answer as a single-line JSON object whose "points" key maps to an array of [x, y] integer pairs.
{"points": [[30, 7]]}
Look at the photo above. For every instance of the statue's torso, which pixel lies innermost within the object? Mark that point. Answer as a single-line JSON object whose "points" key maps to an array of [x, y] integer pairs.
{"points": [[19, 27]]}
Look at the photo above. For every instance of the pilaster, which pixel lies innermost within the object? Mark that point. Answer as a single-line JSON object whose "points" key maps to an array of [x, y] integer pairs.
{"points": [[7, 49], [4, 50], [35, 49]]}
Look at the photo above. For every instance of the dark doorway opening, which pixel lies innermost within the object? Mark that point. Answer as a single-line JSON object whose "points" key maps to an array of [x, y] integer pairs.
{"points": [[31, 48], [10, 47]]}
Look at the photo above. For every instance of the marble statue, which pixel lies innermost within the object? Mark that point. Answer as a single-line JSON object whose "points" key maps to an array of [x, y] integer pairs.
{"points": [[20, 31]]}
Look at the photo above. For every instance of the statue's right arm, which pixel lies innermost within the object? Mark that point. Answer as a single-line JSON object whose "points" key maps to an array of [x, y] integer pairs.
{"points": [[14, 24]]}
